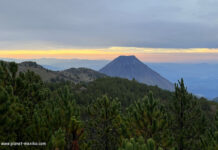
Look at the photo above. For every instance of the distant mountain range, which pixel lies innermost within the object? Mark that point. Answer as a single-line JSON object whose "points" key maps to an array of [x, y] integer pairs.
{"points": [[63, 64], [124, 66], [215, 99], [200, 78], [73, 74], [131, 68]]}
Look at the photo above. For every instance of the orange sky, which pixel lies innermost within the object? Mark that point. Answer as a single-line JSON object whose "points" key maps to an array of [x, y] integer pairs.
{"points": [[145, 54]]}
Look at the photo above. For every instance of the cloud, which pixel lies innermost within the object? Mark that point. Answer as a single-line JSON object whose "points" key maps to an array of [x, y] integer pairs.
{"points": [[53, 24]]}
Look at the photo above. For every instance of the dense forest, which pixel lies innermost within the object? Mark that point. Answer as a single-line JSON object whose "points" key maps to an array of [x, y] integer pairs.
{"points": [[106, 114]]}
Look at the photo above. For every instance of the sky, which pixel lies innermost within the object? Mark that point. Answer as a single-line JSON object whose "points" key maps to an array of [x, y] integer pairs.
{"points": [[153, 30]]}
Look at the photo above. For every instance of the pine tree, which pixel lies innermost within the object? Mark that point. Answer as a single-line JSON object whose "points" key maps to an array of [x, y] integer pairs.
{"points": [[8, 73], [4, 74], [74, 133], [4, 112], [213, 136], [148, 119], [139, 144], [58, 140], [104, 124], [186, 119]]}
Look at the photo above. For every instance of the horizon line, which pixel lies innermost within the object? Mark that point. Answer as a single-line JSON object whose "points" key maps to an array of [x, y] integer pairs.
{"points": [[144, 54]]}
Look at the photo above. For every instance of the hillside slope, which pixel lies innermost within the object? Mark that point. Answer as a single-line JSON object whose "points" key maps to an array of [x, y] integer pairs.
{"points": [[74, 74]]}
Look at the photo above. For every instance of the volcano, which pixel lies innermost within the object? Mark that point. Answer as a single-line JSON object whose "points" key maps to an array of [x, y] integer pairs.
{"points": [[130, 67]]}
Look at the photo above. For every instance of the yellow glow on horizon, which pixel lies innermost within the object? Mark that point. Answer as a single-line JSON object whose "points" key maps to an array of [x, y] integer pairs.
{"points": [[148, 54], [60, 53], [165, 50]]}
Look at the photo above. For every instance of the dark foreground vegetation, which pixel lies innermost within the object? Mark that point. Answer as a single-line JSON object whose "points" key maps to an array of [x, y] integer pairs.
{"points": [[107, 114]]}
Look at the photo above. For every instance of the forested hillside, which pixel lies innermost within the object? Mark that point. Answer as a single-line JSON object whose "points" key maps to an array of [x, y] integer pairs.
{"points": [[106, 114]]}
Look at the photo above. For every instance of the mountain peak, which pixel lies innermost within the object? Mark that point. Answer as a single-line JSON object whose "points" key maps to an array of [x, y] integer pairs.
{"points": [[127, 56], [131, 67], [127, 60]]}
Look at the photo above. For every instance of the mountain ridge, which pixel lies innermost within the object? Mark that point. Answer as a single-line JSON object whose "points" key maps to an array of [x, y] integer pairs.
{"points": [[73, 74]]}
